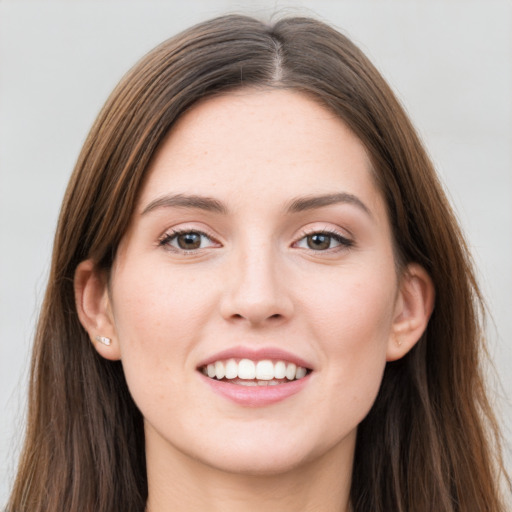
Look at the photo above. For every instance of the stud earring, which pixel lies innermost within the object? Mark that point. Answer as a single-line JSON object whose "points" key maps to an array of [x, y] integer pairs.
{"points": [[103, 339]]}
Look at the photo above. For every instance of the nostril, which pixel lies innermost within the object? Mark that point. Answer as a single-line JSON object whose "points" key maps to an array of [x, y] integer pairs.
{"points": [[274, 317]]}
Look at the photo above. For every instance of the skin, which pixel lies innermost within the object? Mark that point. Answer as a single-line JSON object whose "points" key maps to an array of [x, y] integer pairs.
{"points": [[255, 282]]}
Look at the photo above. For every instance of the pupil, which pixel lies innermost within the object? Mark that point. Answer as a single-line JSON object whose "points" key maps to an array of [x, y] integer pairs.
{"points": [[319, 241], [189, 241]]}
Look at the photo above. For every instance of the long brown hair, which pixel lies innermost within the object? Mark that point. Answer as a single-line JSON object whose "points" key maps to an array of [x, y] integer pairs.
{"points": [[430, 442]]}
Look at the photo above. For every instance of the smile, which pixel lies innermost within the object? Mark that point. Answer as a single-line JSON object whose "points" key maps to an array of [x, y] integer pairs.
{"points": [[255, 377], [248, 372]]}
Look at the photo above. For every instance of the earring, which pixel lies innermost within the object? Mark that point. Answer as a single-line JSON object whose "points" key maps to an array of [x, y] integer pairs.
{"points": [[103, 339]]}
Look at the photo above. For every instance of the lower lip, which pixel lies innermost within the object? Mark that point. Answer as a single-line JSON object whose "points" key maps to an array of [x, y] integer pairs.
{"points": [[256, 396]]}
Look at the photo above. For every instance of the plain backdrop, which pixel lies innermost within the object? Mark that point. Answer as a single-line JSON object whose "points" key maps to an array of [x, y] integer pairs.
{"points": [[450, 62]]}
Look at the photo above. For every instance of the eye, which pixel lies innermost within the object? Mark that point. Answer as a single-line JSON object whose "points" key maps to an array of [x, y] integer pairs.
{"points": [[323, 241], [187, 240]]}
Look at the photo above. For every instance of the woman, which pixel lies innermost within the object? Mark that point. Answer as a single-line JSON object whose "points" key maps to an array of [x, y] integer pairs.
{"points": [[259, 296]]}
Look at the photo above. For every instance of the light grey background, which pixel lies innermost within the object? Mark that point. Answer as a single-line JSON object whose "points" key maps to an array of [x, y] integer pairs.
{"points": [[450, 62]]}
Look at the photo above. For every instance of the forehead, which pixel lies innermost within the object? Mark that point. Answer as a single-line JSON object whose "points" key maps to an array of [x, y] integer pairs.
{"points": [[271, 143]]}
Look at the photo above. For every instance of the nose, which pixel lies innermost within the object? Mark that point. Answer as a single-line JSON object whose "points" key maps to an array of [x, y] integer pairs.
{"points": [[257, 292]]}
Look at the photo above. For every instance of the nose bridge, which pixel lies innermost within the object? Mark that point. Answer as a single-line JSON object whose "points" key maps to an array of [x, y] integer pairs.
{"points": [[256, 291]]}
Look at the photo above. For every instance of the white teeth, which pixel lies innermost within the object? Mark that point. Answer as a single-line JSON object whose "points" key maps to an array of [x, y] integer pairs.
{"points": [[231, 369], [291, 370], [300, 373], [246, 369], [265, 370], [220, 370], [280, 370]]}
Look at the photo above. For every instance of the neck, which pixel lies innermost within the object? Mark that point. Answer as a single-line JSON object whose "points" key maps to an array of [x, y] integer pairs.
{"points": [[178, 482]]}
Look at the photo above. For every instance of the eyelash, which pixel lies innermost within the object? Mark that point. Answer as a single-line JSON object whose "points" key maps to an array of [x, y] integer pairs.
{"points": [[344, 242], [168, 237]]}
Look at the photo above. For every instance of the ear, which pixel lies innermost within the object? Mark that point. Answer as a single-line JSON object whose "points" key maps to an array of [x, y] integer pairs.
{"points": [[414, 306], [94, 308]]}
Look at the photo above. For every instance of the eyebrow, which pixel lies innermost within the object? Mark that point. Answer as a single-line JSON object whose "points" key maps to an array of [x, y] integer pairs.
{"points": [[312, 202], [210, 204], [186, 201]]}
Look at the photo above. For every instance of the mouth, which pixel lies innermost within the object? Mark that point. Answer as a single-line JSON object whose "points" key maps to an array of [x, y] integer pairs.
{"points": [[249, 372], [256, 377]]}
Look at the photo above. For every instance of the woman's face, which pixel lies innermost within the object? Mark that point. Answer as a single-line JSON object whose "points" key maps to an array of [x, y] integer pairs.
{"points": [[260, 242]]}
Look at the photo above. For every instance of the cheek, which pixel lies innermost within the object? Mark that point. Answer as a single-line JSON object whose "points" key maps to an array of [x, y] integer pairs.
{"points": [[154, 306], [353, 325], [354, 308], [159, 318]]}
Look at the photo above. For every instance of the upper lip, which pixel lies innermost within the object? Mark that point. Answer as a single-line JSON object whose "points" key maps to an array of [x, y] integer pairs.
{"points": [[256, 354]]}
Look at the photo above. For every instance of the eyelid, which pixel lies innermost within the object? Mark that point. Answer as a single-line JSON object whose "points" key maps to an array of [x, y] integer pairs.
{"points": [[174, 232], [345, 242]]}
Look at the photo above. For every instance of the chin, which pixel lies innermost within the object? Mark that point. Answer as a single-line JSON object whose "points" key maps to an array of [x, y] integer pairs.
{"points": [[264, 455], [257, 464]]}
